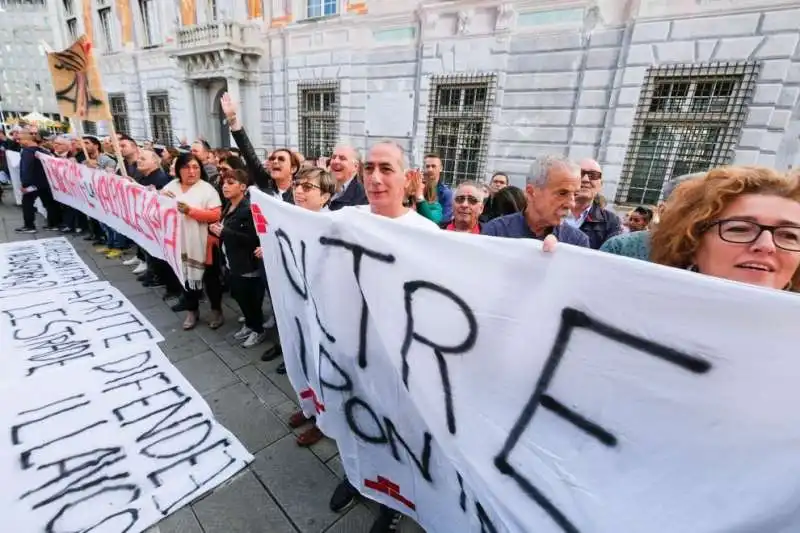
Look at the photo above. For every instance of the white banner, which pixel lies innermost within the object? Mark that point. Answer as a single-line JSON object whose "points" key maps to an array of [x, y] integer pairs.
{"points": [[13, 160], [33, 266], [478, 384], [147, 217], [102, 432]]}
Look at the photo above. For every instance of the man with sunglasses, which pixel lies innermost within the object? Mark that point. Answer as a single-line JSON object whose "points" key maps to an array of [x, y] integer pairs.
{"points": [[467, 208], [588, 214]]}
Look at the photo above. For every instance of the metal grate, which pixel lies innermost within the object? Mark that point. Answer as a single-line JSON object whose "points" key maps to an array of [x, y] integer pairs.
{"points": [[89, 127], [689, 119], [160, 119], [459, 118], [119, 113], [318, 118], [72, 29]]}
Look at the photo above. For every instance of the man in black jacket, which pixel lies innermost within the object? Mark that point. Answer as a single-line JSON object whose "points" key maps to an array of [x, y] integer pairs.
{"points": [[588, 214], [35, 185], [344, 165]]}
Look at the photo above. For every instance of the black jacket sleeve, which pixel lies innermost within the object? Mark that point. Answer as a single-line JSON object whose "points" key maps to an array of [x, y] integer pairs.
{"points": [[258, 173]]}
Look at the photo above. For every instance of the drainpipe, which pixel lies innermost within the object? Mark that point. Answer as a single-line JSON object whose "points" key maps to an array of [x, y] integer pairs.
{"points": [[616, 87], [287, 115], [417, 87]]}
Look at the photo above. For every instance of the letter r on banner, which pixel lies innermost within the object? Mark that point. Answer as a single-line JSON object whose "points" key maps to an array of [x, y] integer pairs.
{"points": [[563, 408]]}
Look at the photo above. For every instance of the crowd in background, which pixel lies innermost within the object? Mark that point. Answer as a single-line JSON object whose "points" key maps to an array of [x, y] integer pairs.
{"points": [[736, 223]]}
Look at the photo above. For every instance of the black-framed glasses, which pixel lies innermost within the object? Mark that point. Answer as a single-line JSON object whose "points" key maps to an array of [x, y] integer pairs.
{"points": [[307, 186], [461, 198], [593, 175], [747, 232]]}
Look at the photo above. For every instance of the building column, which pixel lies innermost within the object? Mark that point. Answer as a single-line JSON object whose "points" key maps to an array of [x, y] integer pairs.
{"points": [[190, 110], [236, 95]]}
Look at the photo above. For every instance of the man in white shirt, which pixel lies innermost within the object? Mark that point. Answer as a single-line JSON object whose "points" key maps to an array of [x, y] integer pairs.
{"points": [[385, 182]]}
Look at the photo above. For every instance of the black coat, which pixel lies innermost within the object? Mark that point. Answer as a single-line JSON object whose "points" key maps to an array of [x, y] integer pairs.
{"points": [[354, 194], [600, 225], [31, 170], [261, 178], [240, 239], [157, 179]]}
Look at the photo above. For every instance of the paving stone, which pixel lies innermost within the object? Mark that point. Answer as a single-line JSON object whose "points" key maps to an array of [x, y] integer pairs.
{"points": [[179, 344], [358, 518], [131, 287], [182, 521], [265, 389], [285, 410], [143, 302], [230, 355], [335, 465], [298, 484], [325, 449], [239, 410], [206, 372], [242, 506]]}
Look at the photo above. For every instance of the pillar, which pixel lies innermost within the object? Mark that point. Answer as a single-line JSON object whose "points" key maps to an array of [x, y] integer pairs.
{"points": [[190, 110]]}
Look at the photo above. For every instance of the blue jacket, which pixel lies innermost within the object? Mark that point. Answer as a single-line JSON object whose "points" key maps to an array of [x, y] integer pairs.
{"points": [[445, 197], [515, 227], [31, 170]]}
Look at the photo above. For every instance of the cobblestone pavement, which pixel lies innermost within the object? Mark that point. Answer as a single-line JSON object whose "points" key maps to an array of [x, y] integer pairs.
{"points": [[287, 488]]}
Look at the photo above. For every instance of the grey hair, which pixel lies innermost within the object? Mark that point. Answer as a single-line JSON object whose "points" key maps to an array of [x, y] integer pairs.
{"points": [[403, 155], [541, 166], [478, 187], [356, 151], [673, 183]]}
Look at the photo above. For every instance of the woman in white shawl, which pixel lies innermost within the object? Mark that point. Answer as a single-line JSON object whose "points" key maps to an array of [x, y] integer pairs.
{"points": [[200, 204]]}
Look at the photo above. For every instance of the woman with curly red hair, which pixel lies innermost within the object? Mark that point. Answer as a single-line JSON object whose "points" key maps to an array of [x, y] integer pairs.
{"points": [[737, 223]]}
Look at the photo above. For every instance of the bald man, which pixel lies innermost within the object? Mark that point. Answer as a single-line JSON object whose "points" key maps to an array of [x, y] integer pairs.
{"points": [[589, 214], [344, 165]]}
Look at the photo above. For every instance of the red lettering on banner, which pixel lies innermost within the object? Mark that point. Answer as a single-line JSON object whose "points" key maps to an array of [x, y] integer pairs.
{"points": [[391, 489], [118, 192], [54, 169], [259, 219], [169, 225], [141, 198], [101, 188], [309, 393]]}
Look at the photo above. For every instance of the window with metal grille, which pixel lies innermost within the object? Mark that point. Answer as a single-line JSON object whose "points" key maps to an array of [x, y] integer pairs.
{"points": [[459, 117], [689, 119], [89, 127], [105, 27], [213, 14], [318, 118], [321, 8], [69, 8], [160, 120], [119, 113], [149, 22]]}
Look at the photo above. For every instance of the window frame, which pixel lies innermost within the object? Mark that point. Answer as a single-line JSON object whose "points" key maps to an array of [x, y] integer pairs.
{"points": [[152, 98], [684, 120], [304, 114], [307, 8], [151, 31], [107, 27], [461, 118], [119, 114]]}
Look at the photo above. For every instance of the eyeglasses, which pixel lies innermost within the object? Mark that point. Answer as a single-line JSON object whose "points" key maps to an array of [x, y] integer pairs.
{"points": [[307, 186], [593, 175], [746, 232], [280, 158], [471, 200]]}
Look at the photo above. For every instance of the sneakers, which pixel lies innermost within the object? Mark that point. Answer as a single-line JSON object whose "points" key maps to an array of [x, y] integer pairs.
{"points": [[141, 268], [387, 521], [132, 262], [102, 249], [50, 228], [113, 254], [153, 282], [343, 497], [242, 334], [270, 322], [272, 353], [25, 230], [254, 339]]}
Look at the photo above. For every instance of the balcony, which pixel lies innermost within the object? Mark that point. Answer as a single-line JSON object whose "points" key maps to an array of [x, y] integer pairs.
{"points": [[218, 35], [218, 48]]}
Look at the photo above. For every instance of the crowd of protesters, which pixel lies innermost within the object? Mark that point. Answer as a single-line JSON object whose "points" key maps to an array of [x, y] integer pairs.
{"points": [[737, 223]]}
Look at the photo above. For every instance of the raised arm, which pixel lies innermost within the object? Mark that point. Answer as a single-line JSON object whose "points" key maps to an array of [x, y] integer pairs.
{"points": [[258, 173]]}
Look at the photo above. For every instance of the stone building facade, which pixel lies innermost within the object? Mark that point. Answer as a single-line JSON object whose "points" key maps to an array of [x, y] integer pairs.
{"points": [[650, 88]]}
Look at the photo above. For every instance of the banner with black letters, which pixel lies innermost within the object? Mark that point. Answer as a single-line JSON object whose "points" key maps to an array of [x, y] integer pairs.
{"points": [[478, 384]]}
